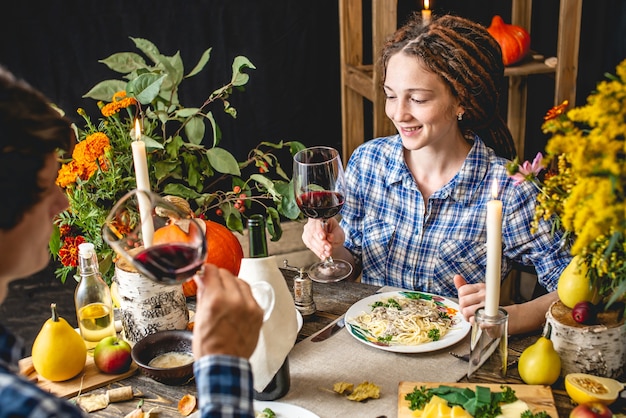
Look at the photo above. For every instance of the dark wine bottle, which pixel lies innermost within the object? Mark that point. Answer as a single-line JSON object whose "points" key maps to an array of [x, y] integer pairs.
{"points": [[258, 239], [279, 385]]}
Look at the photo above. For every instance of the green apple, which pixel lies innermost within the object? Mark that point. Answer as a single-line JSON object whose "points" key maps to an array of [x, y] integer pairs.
{"points": [[112, 355]]}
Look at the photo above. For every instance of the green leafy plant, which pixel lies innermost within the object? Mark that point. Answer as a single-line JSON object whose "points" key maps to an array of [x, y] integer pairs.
{"points": [[183, 154]]}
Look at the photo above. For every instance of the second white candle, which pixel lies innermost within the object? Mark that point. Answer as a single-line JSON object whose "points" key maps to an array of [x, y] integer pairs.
{"points": [[494, 252]]}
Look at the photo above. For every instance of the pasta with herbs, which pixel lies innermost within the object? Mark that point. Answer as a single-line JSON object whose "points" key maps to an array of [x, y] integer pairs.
{"points": [[402, 320]]}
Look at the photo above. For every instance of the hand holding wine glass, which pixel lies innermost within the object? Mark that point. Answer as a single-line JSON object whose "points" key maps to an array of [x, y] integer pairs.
{"points": [[163, 241], [319, 187]]}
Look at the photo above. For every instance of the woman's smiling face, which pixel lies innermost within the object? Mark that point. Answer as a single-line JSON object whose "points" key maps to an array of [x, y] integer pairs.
{"points": [[419, 104]]}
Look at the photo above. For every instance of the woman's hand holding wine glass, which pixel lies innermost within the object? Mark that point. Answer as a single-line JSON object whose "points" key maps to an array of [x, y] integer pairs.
{"points": [[319, 187]]}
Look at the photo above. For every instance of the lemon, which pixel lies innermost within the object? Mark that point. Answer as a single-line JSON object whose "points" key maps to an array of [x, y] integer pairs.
{"points": [[59, 352], [539, 363], [585, 388], [574, 285], [458, 412]]}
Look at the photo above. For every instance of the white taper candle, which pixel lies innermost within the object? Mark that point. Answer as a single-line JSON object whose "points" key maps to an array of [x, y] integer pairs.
{"points": [[494, 252], [143, 183]]}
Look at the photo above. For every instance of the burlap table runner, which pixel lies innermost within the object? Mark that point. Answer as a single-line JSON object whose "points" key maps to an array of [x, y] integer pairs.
{"points": [[316, 366]]}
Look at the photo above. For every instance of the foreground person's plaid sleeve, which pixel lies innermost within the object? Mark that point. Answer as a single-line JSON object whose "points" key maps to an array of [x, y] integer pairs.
{"points": [[224, 386]]}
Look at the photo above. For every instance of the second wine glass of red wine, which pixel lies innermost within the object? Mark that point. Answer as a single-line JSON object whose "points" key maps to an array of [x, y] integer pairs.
{"points": [[319, 187], [161, 240]]}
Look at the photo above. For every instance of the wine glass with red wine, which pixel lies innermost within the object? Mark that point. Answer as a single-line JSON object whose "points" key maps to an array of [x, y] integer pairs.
{"points": [[163, 241], [320, 189]]}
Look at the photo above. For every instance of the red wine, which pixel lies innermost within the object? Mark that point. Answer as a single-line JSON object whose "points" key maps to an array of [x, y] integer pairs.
{"points": [[320, 205], [169, 262]]}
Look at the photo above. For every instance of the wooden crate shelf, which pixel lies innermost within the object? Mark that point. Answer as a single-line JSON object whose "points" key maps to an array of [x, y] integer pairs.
{"points": [[360, 80]]}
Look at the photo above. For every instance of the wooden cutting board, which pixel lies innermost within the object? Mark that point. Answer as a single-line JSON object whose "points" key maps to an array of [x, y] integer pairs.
{"points": [[539, 398], [91, 378]]}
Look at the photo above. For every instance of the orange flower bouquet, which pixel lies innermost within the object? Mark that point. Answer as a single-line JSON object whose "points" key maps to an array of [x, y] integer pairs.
{"points": [[216, 185]]}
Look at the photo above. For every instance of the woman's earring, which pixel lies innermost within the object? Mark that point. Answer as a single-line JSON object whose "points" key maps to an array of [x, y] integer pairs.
{"points": [[459, 116]]}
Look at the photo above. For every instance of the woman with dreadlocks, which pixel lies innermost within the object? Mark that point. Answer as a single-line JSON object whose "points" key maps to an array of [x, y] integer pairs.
{"points": [[415, 207]]}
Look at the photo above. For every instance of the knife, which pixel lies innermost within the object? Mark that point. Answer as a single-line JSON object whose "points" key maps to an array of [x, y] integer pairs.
{"points": [[329, 331]]}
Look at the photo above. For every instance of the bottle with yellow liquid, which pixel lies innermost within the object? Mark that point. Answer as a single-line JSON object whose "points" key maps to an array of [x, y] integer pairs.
{"points": [[94, 308]]}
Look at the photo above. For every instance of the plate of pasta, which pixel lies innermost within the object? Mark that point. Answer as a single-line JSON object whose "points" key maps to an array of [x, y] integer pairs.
{"points": [[406, 322]]}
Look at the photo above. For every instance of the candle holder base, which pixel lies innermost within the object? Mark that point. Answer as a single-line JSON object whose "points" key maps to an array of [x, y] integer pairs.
{"points": [[489, 342]]}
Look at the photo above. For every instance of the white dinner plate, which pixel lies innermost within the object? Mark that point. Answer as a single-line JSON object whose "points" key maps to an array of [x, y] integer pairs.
{"points": [[284, 410], [459, 329]]}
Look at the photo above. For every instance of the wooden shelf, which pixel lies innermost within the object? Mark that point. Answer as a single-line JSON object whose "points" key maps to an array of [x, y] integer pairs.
{"points": [[360, 80]]}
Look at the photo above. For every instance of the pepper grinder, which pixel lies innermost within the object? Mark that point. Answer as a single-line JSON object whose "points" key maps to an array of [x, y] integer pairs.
{"points": [[302, 290]]}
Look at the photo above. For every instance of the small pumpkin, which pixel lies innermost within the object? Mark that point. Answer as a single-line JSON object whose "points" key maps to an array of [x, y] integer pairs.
{"points": [[514, 41], [586, 388], [223, 248]]}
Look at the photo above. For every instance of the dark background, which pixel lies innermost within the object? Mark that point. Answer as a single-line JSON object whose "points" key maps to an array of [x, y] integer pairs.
{"points": [[294, 94]]}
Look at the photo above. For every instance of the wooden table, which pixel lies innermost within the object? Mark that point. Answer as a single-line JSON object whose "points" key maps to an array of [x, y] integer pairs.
{"points": [[332, 301]]}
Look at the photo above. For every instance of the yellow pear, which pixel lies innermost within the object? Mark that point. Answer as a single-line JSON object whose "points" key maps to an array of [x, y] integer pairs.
{"points": [[540, 363], [574, 285], [59, 352]]}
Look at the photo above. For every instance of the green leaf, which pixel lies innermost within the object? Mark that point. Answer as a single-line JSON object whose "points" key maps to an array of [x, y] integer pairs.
{"points": [[151, 143], [180, 190], [194, 129], [223, 161], [206, 55], [273, 224], [288, 206], [186, 112], [234, 222], [105, 90], [174, 68], [239, 77], [217, 133], [147, 48], [124, 62], [146, 87], [267, 184], [165, 169], [55, 241], [295, 146]]}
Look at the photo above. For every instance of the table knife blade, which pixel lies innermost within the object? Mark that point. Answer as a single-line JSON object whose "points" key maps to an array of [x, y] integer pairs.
{"points": [[329, 331]]}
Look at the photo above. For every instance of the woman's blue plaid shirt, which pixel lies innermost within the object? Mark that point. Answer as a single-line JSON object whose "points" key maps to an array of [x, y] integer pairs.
{"points": [[401, 240]]}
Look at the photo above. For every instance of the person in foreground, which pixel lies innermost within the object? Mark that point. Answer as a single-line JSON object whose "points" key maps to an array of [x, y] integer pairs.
{"points": [[415, 206], [228, 320]]}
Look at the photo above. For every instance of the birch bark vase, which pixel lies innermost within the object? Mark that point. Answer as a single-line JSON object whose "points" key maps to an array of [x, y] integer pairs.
{"points": [[147, 307], [595, 349]]}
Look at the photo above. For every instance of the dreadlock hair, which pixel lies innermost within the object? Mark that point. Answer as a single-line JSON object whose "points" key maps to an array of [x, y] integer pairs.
{"points": [[469, 61], [30, 131]]}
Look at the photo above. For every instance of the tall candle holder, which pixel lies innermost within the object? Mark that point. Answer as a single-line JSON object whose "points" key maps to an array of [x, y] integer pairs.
{"points": [[489, 341]]}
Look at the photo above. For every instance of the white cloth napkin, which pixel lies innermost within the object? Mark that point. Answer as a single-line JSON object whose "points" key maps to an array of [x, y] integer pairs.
{"points": [[278, 334]]}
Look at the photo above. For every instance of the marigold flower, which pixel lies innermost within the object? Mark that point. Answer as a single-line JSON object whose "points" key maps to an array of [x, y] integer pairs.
{"points": [[68, 253], [87, 157], [556, 111], [118, 102]]}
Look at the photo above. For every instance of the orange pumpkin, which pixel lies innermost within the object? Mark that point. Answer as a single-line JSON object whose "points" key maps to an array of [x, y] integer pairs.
{"points": [[514, 41], [223, 249]]}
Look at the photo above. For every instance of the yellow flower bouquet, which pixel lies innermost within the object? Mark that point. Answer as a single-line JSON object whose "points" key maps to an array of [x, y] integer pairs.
{"points": [[217, 186], [584, 192]]}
